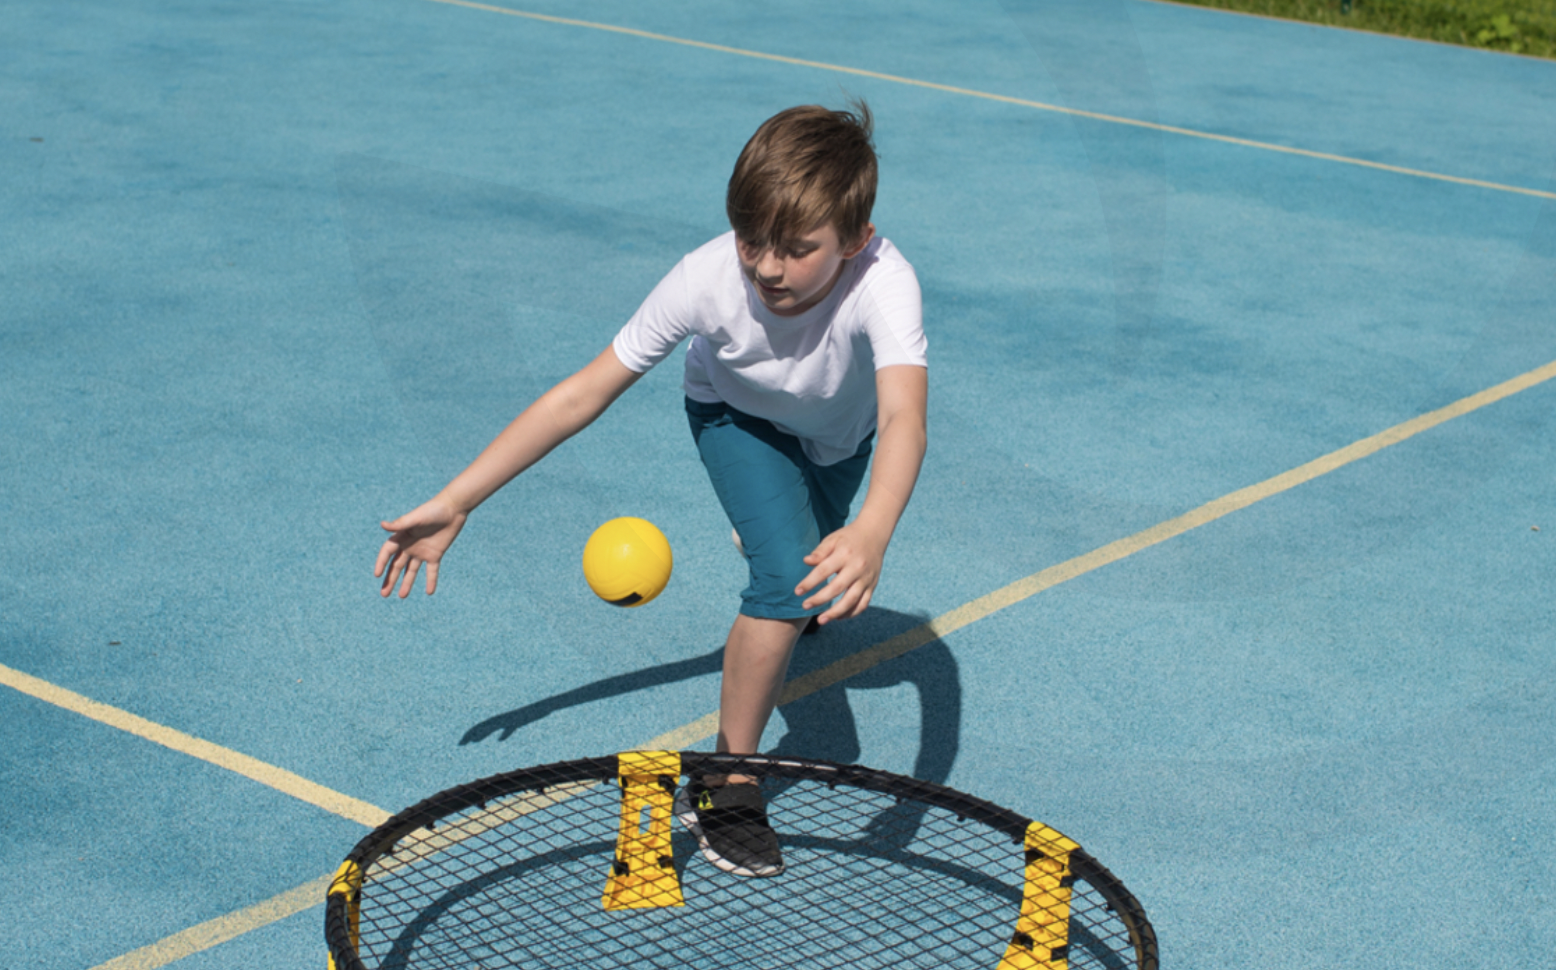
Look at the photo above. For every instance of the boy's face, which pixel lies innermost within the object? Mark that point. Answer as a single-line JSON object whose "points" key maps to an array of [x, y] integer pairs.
{"points": [[796, 276]]}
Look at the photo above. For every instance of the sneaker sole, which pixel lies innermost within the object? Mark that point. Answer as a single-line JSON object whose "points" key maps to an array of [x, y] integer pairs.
{"points": [[688, 816]]}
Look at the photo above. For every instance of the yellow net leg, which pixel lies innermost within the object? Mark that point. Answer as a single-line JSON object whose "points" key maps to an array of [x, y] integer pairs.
{"points": [[1042, 932], [643, 872]]}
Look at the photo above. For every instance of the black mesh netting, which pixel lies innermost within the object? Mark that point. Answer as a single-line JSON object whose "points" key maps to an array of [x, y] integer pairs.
{"points": [[881, 871]]}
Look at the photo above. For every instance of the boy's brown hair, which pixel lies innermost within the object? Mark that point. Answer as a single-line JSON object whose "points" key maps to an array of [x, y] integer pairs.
{"points": [[804, 167]]}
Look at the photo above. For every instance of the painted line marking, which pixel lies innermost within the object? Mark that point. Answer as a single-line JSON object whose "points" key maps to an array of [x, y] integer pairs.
{"points": [[255, 917], [199, 938], [684, 736], [1048, 578], [266, 774], [1001, 98], [217, 931], [416, 845]]}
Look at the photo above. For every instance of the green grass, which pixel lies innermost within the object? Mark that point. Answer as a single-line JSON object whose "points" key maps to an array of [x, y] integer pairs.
{"points": [[1515, 26]]}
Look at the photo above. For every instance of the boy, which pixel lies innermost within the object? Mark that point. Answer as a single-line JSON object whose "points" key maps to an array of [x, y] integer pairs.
{"points": [[806, 344]]}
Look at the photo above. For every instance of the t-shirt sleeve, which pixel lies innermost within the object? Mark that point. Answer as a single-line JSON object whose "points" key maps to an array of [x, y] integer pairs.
{"points": [[662, 322], [894, 320]]}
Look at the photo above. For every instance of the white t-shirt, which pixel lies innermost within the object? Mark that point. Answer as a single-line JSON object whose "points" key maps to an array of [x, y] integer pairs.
{"points": [[811, 375]]}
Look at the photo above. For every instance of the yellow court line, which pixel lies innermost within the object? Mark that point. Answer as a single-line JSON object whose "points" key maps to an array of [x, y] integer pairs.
{"points": [[293, 901], [199, 938], [1001, 98], [263, 914], [308, 895], [266, 774], [1048, 578]]}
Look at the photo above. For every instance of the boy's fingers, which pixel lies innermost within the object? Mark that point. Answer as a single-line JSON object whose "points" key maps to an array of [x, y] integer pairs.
{"points": [[834, 612], [813, 580], [835, 563], [385, 569], [410, 578], [810, 583], [827, 594], [432, 578], [825, 549], [855, 589], [384, 552], [862, 605], [844, 608], [395, 573]]}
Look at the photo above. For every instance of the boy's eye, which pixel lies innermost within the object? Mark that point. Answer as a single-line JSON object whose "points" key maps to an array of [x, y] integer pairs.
{"points": [[750, 251]]}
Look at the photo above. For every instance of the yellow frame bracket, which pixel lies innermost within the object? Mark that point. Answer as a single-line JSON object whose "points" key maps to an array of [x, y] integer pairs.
{"points": [[643, 873], [1042, 934], [348, 883]]}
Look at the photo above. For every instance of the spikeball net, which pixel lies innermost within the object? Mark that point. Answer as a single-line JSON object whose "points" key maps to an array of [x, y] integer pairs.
{"points": [[581, 865]]}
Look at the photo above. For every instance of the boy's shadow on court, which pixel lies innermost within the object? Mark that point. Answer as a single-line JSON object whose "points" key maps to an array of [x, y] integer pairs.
{"points": [[821, 725]]}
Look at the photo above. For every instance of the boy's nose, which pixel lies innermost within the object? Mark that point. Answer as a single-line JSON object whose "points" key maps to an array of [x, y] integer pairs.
{"points": [[769, 267]]}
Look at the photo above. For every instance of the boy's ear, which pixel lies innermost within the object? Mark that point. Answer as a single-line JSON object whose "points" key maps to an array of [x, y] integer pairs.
{"points": [[865, 235]]}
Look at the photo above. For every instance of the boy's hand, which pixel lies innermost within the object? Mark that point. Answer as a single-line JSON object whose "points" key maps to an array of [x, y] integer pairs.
{"points": [[852, 556], [420, 536], [423, 535]]}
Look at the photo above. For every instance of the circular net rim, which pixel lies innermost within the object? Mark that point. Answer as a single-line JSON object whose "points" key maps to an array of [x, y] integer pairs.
{"points": [[344, 893]]}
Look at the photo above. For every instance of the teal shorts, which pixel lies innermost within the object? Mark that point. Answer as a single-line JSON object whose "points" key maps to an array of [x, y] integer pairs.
{"points": [[780, 502]]}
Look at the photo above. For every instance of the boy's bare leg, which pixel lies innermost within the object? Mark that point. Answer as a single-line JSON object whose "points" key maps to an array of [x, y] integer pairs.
{"points": [[756, 660]]}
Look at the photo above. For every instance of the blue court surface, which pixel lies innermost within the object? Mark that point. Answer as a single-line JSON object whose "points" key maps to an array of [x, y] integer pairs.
{"points": [[1223, 562]]}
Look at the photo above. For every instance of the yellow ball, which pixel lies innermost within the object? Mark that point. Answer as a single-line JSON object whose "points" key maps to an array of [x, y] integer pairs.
{"points": [[627, 562]]}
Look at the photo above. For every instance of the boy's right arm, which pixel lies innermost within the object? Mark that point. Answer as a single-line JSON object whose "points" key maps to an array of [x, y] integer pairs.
{"points": [[425, 533]]}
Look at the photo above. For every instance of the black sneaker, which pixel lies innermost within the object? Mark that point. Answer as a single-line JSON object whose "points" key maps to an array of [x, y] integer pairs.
{"points": [[730, 822]]}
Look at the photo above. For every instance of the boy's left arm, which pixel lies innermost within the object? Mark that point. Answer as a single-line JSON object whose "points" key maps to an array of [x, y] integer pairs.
{"points": [[852, 555]]}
